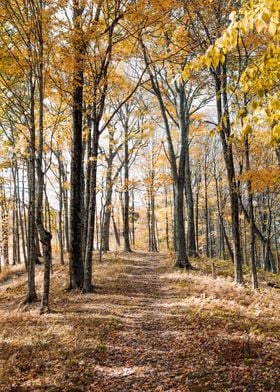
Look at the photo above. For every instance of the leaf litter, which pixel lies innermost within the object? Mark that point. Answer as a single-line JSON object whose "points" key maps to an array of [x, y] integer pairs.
{"points": [[146, 328]]}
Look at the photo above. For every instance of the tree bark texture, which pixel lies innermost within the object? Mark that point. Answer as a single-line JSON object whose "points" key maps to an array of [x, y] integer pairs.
{"points": [[77, 175]]}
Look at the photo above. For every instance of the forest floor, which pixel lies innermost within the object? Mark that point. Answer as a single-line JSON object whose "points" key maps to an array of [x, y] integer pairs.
{"points": [[147, 327]]}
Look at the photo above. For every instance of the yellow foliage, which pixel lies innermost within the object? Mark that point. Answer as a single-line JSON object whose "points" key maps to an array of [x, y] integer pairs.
{"points": [[276, 133], [264, 179]]}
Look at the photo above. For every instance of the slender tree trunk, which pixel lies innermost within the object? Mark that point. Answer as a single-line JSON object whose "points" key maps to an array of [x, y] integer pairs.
{"points": [[277, 150], [174, 218], [149, 220], [22, 217], [77, 176], [116, 231], [127, 247], [87, 284], [244, 246], [133, 218], [31, 168], [182, 260], [191, 233], [45, 235], [5, 227], [211, 250], [180, 239], [107, 221], [206, 211], [153, 224], [276, 246], [60, 227], [196, 219], [151, 212], [108, 204], [66, 215], [166, 218], [96, 230], [14, 228], [16, 223], [224, 120], [61, 233], [252, 218], [269, 261], [87, 156]]}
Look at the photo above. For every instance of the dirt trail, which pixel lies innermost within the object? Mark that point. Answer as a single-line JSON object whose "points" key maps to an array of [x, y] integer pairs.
{"points": [[141, 358]]}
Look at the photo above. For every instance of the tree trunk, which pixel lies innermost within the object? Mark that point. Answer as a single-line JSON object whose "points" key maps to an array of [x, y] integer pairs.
{"points": [[149, 220], [77, 176], [31, 168], [182, 260], [16, 217], [166, 218], [206, 211], [133, 218], [107, 221], [180, 239], [196, 219], [191, 233], [44, 234], [252, 218], [225, 133], [268, 261], [22, 218], [277, 150], [61, 233], [5, 227], [66, 216], [151, 212], [91, 211], [116, 231], [127, 247], [108, 203], [276, 246]]}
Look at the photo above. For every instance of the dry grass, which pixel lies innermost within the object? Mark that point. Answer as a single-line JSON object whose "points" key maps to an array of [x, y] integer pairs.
{"points": [[236, 325], [9, 271], [203, 294]]}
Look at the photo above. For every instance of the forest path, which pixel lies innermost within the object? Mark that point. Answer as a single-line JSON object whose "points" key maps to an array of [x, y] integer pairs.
{"points": [[146, 328], [144, 354]]}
